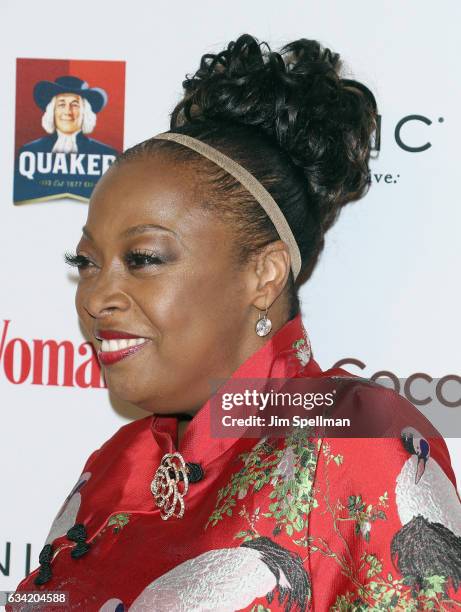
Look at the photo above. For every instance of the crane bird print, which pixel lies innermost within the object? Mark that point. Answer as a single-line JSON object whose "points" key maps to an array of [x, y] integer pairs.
{"points": [[225, 580], [67, 514], [429, 542]]}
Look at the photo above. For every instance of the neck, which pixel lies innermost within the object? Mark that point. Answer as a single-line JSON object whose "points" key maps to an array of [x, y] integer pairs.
{"points": [[68, 134], [183, 422]]}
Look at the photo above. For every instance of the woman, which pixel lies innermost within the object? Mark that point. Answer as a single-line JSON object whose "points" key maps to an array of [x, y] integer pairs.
{"points": [[195, 246]]}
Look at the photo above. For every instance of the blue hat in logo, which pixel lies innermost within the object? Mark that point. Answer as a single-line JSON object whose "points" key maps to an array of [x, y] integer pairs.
{"points": [[45, 90]]}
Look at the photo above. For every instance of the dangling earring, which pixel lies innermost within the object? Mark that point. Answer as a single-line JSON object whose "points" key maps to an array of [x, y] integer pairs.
{"points": [[264, 325]]}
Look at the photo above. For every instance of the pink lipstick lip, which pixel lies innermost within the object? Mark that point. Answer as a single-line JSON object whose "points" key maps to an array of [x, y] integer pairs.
{"points": [[114, 334], [110, 357]]}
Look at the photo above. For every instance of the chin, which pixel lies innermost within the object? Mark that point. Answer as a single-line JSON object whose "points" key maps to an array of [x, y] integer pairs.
{"points": [[128, 389], [67, 128]]}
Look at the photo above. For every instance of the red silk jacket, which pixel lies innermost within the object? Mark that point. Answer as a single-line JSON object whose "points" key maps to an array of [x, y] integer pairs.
{"points": [[291, 523]]}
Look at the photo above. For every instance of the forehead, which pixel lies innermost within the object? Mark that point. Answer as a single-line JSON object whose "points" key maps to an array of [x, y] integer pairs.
{"points": [[153, 190], [68, 97]]}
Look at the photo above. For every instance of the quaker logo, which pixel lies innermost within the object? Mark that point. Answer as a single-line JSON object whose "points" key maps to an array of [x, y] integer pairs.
{"points": [[69, 126]]}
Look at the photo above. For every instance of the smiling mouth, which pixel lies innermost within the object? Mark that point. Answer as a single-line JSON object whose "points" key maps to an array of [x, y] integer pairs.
{"points": [[112, 351]]}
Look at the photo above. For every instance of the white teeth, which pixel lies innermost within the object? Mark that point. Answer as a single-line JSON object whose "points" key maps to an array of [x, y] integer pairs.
{"points": [[118, 345]]}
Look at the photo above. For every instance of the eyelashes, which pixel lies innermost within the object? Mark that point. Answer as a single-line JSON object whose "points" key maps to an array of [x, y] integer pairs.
{"points": [[135, 259], [142, 259], [77, 261]]}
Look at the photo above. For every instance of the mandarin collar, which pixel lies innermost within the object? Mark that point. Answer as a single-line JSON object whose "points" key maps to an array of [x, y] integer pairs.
{"points": [[287, 354]]}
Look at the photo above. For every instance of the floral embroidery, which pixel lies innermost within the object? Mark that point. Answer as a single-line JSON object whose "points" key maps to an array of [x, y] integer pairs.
{"points": [[289, 492], [290, 473], [362, 514], [303, 350], [373, 589], [389, 594], [116, 521], [286, 467], [251, 520], [119, 521]]}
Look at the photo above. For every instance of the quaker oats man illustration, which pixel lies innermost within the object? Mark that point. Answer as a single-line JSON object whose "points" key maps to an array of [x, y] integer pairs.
{"points": [[70, 107]]}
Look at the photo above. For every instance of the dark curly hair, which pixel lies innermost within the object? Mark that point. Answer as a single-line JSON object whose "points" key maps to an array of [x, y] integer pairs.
{"points": [[292, 121]]}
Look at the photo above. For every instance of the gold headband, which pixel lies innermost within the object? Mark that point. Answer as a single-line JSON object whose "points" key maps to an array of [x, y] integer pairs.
{"points": [[251, 184]]}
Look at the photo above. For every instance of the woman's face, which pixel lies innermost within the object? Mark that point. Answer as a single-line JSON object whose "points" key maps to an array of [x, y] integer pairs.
{"points": [[160, 269]]}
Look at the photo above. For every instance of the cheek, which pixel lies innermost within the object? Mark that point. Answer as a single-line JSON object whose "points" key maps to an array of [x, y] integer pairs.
{"points": [[193, 315]]}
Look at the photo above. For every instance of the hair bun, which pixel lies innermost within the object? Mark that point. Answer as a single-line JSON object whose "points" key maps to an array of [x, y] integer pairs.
{"points": [[295, 96]]}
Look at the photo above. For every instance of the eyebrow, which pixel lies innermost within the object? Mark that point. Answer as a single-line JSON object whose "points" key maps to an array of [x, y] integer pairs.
{"points": [[135, 230]]}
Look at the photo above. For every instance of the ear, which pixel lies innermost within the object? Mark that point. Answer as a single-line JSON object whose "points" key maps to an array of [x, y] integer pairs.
{"points": [[271, 269]]}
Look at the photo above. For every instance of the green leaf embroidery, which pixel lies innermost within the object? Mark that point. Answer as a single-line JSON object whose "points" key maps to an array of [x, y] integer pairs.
{"points": [[118, 521], [288, 471]]}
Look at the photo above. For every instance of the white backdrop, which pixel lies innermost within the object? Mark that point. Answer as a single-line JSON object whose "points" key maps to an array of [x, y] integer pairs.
{"points": [[386, 290]]}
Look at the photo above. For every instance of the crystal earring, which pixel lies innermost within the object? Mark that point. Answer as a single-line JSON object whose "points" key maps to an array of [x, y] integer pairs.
{"points": [[264, 325]]}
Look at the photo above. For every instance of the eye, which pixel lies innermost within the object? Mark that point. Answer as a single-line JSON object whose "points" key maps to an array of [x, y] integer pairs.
{"points": [[134, 260], [77, 261], [142, 259]]}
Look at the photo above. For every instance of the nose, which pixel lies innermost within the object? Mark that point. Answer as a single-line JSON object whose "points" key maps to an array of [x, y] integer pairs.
{"points": [[104, 298], [68, 108]]}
